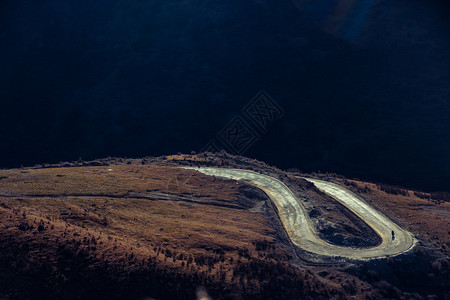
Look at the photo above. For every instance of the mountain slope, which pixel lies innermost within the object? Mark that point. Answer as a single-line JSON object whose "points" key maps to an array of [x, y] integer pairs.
{"points": [[123, 228]]}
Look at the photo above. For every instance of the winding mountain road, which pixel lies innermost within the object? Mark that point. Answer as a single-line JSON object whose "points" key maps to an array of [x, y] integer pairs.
{"points": [[299, 226]]}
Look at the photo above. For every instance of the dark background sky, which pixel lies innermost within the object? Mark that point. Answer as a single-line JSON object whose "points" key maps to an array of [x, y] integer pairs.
{"points": [[365, 84]]}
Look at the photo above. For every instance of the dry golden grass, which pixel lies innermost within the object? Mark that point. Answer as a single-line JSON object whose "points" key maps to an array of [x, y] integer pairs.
{"points": [[100, 216], [191, 158], [421, 216], [115, 180], [95, 201]]}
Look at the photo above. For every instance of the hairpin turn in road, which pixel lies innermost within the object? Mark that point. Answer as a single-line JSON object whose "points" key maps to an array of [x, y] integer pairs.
{"points": [[300, 228]]}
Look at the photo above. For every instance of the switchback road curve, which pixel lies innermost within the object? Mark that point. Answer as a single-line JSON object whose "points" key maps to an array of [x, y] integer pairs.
{"points": [[299, 226]]}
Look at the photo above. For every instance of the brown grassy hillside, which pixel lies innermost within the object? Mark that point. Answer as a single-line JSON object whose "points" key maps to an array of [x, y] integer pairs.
{"points": [[129, 229], [127, 217]]}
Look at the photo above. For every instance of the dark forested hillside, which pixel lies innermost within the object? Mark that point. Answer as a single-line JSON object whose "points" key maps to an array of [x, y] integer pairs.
{"points": [[364, 85]]}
